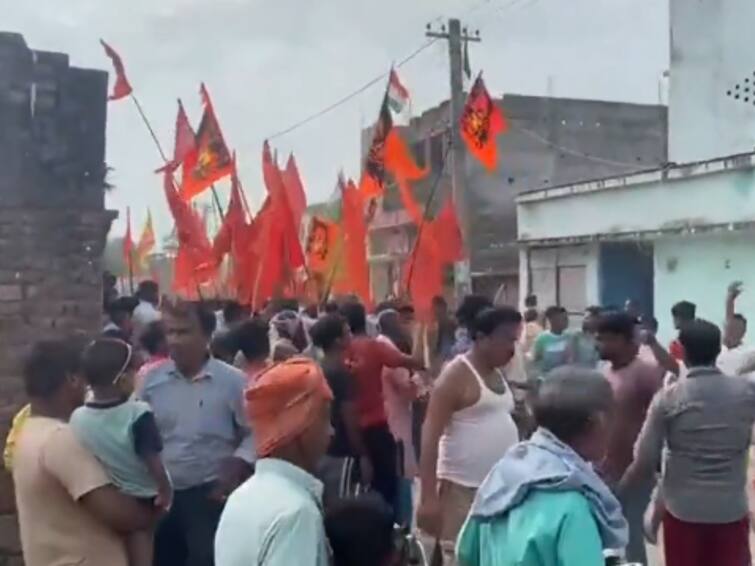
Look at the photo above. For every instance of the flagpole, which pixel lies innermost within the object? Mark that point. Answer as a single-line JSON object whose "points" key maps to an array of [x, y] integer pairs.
{"points": [[425, 216], [157, 141]]}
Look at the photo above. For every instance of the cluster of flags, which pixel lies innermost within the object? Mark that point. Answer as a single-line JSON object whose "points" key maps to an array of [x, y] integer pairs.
{"points": [[265, 254]]}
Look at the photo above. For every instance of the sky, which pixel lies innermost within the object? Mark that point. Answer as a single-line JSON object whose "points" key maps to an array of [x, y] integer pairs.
{"points": [[268, 64]]}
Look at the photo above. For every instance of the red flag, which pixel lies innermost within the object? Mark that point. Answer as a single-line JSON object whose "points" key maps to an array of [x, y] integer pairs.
{"points": [[357, 270], [372, 183], [438, 244], [121, 88], [297, 200], [481, 122], [284, 226], [185, 142], [194, 264], [210, 159], [128, 243]]}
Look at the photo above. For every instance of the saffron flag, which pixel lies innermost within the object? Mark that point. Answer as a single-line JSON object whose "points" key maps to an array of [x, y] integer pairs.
{"points": [[185, 141], [372, 183], [481, 122], [356, 268], [194, 264], [121, 87], [146, 242], [398, 95], [128, 243], [284, 226], [210, 159], [297, 200]]}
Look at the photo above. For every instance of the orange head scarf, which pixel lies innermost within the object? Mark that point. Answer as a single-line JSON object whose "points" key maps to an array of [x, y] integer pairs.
{"points": [[284, 401]]}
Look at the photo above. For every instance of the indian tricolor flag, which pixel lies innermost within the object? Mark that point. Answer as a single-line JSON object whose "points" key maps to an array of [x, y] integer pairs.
{"points": [[398, 96]]}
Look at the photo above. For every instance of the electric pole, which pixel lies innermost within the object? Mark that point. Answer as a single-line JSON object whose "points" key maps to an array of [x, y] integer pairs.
{"points": [[457, 39]]}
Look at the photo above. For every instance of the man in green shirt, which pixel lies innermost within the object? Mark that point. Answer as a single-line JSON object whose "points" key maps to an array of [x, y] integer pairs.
{"points": [[542, 504], [552, 348]]}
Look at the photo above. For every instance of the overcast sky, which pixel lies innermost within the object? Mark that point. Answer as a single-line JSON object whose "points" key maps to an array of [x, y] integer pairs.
{"points": [[270, 63]]}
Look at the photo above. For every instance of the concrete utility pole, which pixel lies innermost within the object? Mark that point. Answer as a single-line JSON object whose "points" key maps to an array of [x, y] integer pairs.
{"points": [[456, 39]]}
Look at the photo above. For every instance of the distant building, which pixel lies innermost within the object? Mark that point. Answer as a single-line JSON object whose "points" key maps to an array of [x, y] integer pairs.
{"points": [[679, 232], [550, 141]]}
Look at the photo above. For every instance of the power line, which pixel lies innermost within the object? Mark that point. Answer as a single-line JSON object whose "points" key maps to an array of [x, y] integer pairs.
{"points": [[351, 95], [381, 76]]}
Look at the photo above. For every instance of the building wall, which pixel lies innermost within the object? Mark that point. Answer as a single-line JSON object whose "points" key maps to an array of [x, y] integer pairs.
{"points": [[699, 269], [550, 141], [683, 197], [711, 53], [52, 220]]}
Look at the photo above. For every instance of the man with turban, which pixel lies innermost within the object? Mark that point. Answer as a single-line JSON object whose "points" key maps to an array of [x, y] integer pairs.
{"points": [[274, 518]]}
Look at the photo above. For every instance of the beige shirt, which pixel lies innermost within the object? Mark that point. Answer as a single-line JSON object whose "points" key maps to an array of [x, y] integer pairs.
{"points": [[51, 472]]}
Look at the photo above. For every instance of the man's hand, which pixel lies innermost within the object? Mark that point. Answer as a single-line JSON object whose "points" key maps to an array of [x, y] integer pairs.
{"points": [[735, 289], [164, 499], [233, 472], [430, 516]]}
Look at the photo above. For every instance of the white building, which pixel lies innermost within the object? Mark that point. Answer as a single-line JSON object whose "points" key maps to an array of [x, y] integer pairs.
{"points": [[683, 231]]}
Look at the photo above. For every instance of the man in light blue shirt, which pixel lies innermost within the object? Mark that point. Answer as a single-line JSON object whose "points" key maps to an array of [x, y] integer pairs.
{"points": [[275, 518], [208, 447]]}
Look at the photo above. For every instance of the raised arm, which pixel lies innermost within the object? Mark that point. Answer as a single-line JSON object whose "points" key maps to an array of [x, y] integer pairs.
{"points": [[394, 358], [734, 290]]}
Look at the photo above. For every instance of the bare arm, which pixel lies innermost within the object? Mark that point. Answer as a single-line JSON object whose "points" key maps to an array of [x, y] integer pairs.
{"points": [[394, 358], [118, 512], [442, 405], [159, 474], [662, 356], [731, 298]]}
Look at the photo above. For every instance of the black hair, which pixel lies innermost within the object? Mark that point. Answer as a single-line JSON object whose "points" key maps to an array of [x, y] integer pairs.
{"points": [[650, 322], [490, 319], [530, 301], [385, 305], [103, 360], [253, 338], [702, 343], [554, 311], [327, 331], [406, 309], [531, 315], [206, 318], [360, 531], [48, 365], [440, 301], [121, 308], [568, 399], [356, 315], [594, 310], [224, 346], [153, 337], [684, 310], [232, 311], [148, 289], [470, 307], [619, 324], [330, 307]]}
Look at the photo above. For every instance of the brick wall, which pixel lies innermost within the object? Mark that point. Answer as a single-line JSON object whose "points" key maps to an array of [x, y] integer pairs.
{"points": [[53, 224]]}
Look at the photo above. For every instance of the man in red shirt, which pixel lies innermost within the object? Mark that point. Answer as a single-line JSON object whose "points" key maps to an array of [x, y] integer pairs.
{"points": [[367, 358]]}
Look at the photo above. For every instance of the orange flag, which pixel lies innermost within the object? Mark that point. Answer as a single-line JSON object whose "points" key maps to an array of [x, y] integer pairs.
{"points": [[194, 263], [146, 242], [185, 141], [297, 200], [356, 268], [121, 87], [128, 243], [210, 159], [284, 226], [481, 122], [372, 183]]}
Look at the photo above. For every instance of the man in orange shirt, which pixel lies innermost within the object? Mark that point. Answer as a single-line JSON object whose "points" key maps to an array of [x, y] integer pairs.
{"points": [[367, 358]]}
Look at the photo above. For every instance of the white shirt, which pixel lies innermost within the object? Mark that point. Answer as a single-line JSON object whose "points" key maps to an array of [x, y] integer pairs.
{"points": [[731, 361], [273, 519], [145, 313]]}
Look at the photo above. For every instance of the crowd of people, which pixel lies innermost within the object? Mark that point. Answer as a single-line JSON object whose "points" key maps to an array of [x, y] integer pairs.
{"points": [[326, 434]]}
